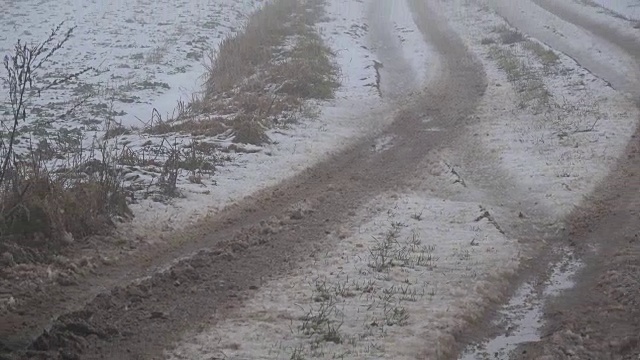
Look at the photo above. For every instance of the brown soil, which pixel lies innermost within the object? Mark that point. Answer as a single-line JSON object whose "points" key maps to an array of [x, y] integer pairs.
{"points": [[224, 259], [600, 317]]}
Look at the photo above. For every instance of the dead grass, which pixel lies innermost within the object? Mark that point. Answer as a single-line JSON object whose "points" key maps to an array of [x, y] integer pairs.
{"points": [[508, 35], [249, 131], [41, 208], [262, 75]]}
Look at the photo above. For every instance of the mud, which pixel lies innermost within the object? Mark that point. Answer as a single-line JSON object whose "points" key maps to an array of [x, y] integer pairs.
{"points": [[599, 318], [258, 239], [522, 317]]}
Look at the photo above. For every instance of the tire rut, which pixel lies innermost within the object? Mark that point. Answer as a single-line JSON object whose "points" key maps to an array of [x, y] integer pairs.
{"points": [[262, 237], [599, 317]]}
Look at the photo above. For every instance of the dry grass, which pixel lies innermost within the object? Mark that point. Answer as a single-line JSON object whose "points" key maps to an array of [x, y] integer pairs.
{"points": [[262, 75], [508, 35], [529, 85], [54, 208], [41, 208]]}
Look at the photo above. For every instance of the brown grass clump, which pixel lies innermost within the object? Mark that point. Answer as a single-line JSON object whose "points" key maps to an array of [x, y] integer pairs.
{"points": [[248, 130], [38, 207], [263, 74], [56, 208]]}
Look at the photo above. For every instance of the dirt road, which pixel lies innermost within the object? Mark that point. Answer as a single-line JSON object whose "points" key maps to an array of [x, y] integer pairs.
{"points": [[599, 317], [142, 305], [256, 240]]}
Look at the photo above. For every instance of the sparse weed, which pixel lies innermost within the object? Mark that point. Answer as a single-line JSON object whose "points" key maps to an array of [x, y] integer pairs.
{"points": [[528, 83], [298, 353], [396, 315], [547, 56], [390, 252]]}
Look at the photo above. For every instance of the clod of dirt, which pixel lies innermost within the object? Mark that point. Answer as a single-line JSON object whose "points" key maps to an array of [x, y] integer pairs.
{"points": [[297, 215], [159, 315], [6, 260], [66, 280]]}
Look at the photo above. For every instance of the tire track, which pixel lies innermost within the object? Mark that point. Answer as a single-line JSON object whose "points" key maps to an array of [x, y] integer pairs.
{"points": [[263, 237], [599, 317]]}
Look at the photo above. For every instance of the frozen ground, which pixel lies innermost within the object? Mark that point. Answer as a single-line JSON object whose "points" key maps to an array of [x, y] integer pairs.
{"points": [[554, 127], [149, 55], [416, 268], [410, 273], [629, 9]]}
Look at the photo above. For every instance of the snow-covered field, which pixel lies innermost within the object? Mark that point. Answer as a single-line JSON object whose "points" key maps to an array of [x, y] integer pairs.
{"points": [[555, 153], [416, 270], [415, 267], [148, 54], [151, 55], [355, 111]]}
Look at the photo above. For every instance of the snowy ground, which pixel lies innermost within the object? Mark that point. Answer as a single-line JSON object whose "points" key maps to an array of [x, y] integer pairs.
{"points": [[629, 9], [148, 54], [417, 268], [398, 284], [553, 127]]}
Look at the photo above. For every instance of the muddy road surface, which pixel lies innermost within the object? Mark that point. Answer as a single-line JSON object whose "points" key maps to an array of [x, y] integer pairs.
{"points": [[597, 313], [138, 307], [142, 305]]}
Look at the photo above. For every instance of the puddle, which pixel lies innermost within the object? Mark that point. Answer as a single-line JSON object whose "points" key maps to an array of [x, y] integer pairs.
{"points": [[522, 317]]}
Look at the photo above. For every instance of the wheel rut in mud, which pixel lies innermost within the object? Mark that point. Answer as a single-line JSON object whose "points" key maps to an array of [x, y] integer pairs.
{"points": [[226, 258], [599, 317]]}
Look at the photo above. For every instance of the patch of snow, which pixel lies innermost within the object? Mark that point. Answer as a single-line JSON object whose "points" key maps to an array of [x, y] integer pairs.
{"points": [[397, 284], [415, 49], [602, 58], [558, 155], [148, 54], [629, 9]]}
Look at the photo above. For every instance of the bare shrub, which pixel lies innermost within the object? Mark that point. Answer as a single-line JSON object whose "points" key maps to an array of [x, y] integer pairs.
{"points": [[39, 206]]}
